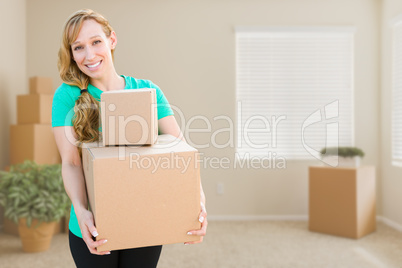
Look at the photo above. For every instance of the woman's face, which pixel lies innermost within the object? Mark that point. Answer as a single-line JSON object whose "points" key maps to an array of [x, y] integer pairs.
{"points": [[92, 50]]}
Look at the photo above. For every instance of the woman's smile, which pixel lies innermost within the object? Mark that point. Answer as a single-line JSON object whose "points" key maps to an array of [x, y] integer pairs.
{"points": [[92, 67]]}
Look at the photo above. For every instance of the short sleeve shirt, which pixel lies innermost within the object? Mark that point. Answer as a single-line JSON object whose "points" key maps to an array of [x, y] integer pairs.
{"points": [[65, 97]]}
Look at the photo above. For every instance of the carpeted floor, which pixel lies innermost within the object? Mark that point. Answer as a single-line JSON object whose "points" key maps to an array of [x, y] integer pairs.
{"points": [[243, 244]]}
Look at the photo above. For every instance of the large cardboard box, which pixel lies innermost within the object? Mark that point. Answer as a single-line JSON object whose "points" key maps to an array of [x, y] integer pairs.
{"points": [[34, 109], [40, 85], [143, 195], [129, 117], [342, 201], [33, 142]]}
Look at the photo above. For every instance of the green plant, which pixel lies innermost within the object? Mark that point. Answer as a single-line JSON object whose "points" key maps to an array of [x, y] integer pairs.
{"points": [[31, 191], [342, 151]]}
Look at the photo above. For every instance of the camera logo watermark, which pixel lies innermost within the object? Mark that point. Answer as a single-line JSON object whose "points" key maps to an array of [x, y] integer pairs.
{"points": [[331, 111]]}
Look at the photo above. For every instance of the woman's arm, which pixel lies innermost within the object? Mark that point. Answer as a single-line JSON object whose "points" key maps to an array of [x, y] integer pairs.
{"points": [[74, 183], [168, 125]]}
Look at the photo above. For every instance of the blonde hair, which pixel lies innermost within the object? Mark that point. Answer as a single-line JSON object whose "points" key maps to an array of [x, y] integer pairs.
{"points": [[86, 118]]}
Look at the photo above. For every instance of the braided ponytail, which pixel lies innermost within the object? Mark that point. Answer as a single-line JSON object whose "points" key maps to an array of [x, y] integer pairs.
{"points": [[86, 119]]}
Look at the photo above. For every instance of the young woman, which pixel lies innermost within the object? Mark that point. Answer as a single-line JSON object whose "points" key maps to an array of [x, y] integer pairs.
{"points": [[86, 66]]}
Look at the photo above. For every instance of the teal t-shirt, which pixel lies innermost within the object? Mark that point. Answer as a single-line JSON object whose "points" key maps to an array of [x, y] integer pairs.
{"points": [[63, 111]]}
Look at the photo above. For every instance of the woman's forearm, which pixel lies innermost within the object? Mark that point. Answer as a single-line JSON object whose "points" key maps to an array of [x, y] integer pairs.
{"points": [[74, 184]]}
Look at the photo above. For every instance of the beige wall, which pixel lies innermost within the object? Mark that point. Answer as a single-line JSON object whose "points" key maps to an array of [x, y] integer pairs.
{"points": [[12, 69], [13, 79], [392, 178], [188, 49]]}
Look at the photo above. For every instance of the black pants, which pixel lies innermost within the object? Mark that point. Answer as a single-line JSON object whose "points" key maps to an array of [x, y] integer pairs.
{"points": [[137, 257]]}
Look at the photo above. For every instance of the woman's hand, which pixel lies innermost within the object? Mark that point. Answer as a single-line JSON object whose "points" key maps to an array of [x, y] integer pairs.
{"points": [[204, 223], [88, 230]]}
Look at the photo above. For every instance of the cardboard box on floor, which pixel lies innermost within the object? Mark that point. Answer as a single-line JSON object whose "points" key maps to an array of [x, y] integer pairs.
{"points": [[34, 109], [129, 117], [33, 142], [150, 196], [40, 85], [342, 201]]}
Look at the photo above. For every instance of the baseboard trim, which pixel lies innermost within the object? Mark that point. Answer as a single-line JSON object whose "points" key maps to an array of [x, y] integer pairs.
{"points": [[379, 218], [390, 223], [257, 217]]}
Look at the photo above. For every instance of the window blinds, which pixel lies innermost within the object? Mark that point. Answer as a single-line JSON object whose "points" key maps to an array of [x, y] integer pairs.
{"points": [[294, 89]]}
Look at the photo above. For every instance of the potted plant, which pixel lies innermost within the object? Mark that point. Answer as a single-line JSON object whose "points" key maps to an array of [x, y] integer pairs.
{"points": [[33, 196], [342, 156]]}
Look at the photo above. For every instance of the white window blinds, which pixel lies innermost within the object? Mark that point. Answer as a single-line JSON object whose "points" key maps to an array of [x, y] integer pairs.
{"points": [[294, 89], [397, 94]]}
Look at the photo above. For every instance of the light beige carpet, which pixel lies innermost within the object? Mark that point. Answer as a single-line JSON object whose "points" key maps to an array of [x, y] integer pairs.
{"points": [[244, 244]]}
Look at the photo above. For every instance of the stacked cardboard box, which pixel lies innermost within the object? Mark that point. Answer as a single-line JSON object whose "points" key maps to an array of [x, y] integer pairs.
{"points": [[129, 117], [32, 137], [140, 195]]}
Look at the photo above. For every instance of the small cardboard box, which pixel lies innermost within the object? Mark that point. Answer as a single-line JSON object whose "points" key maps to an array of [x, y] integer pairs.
{"points": [[342, 201], [143, 195], [129, 117], [33, 142], [34, 109], [40, 85]]}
